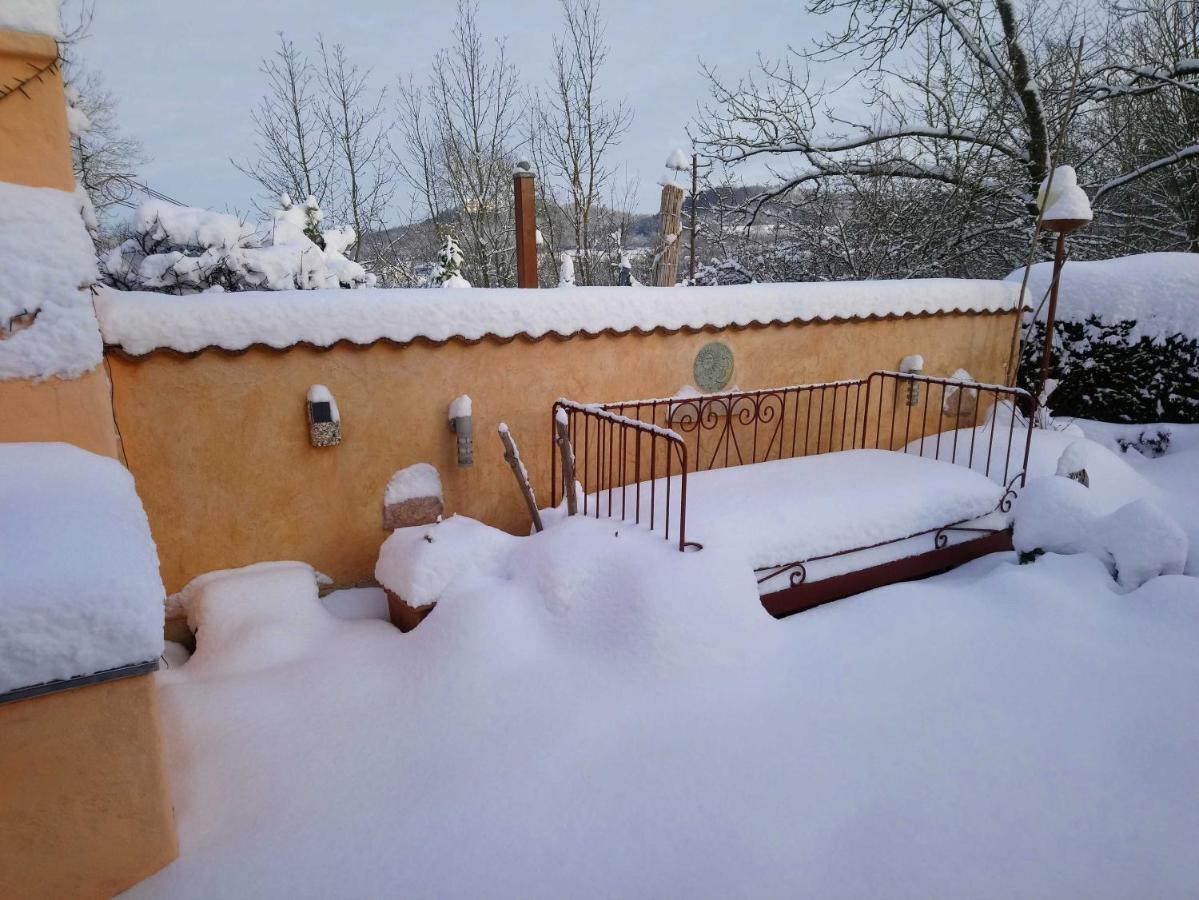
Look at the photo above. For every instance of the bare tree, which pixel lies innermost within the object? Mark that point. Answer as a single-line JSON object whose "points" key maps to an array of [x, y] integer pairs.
{"points": [[353, 119], [294, 151], [572, 131], [956, 111], [457, 144], [1147, 137]]}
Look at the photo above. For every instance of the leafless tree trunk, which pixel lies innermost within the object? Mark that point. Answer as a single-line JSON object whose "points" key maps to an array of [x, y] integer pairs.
{"points": [[572, 132]]}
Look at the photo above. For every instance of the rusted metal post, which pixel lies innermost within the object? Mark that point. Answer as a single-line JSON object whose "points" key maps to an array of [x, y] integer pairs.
{"points": [[526, 225], [666, 270], [694, 216], [1059, 260]]}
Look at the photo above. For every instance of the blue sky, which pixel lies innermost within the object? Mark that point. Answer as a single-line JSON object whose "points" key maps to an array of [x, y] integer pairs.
{"points": [[187, 73]]}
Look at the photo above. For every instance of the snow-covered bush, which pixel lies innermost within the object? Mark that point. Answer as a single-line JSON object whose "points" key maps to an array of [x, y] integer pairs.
{"points": [[183, 250], [448, 272], [1126, 340], [1136, 541], [717, 272]]}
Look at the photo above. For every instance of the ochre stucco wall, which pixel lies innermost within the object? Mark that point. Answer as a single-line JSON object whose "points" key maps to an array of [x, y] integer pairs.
{"points": [[84, 804], [74, 410], [35, 147], [219, 445]]}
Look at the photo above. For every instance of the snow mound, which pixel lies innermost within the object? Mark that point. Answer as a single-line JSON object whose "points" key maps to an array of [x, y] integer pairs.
{"points": [[1065, 200], [584, 587], [32, 16], [1156, 291], [79, 584], [141, 322], [46, 259], [238, 614], [1137, 541]]}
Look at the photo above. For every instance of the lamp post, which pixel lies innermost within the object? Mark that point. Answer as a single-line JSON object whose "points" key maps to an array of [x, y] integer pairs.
{"points": [[1062, 227]]}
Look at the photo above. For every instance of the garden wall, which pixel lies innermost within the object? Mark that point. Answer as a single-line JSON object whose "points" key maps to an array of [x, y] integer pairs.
{"points": [[218, 441]]}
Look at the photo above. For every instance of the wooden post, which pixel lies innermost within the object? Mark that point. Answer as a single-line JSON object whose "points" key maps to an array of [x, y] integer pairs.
{"points": [[568, 466], [1059, 260], [526, 226], [666, 269], [694, 214], [512, 455]]}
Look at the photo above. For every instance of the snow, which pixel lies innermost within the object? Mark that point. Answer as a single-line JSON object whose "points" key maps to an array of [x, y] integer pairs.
{"points": [[913, 363], [787, 510], [318, 393], [188, 226], [46, 257], [455, 281], [679, 161], [1155, 291], [140, 322], [412, 482], [586, 714], [460, 407], [79, 585], [1064, 199], [33, 16], [1137, 541]]}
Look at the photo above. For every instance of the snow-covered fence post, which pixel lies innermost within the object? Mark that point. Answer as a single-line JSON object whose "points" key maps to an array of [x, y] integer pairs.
{"points": [[526, 225], [512, 455], [669, 216], [568, 462]]}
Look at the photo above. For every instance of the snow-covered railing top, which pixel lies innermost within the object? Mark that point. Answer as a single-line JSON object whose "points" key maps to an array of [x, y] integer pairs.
{"points": [[139, 322]]}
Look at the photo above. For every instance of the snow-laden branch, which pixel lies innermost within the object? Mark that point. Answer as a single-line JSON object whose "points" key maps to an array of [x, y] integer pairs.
{"points": [[1169, 159]]}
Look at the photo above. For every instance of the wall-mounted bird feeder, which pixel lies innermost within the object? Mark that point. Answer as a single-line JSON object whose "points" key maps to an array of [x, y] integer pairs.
{"points": [[324, 420]]}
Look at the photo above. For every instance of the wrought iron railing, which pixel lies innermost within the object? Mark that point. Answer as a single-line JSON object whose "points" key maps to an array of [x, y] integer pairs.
{"points": [[629, 453]]}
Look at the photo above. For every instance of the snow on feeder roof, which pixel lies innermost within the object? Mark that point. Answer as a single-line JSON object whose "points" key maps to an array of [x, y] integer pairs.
{"points": [[80, 591], [141, 322]]}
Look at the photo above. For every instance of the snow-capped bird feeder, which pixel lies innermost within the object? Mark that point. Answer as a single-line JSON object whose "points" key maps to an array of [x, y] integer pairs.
{"points": [[461, 425], [324, 421], [912, 365], [1064, 208]]}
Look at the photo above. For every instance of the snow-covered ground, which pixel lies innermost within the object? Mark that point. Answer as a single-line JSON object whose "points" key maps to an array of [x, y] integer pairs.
{"points": [[589, 713]]}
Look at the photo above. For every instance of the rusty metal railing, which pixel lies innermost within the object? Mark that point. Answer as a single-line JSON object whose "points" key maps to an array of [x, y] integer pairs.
{"points": [[619, 461]]}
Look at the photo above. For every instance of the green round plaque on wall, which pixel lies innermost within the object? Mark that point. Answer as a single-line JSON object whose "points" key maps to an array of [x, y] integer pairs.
{"points": [[713, 367]]}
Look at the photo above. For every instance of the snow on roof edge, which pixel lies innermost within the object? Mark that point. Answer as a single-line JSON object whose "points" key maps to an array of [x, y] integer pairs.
{"points": [[139, 323]]}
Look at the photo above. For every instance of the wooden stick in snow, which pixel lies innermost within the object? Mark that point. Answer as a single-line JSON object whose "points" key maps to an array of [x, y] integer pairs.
{"points": [[512, 455], [568, 463]]}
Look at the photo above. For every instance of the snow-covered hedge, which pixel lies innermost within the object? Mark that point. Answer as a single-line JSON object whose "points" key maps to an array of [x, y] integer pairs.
{"points": [[182, 250], [1126, 338]]}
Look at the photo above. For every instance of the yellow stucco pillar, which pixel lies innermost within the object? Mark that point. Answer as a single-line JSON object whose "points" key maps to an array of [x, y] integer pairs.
{"points": [[35, 151], [84, 803]]}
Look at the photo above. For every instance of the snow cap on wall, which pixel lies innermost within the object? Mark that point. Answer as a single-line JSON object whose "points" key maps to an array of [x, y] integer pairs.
{"points": [[141, 322], [47, 325], [32, 16]]}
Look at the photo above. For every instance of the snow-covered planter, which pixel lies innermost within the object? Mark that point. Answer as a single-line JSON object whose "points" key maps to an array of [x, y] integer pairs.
{"points": [[1126, 341], [182, 250], [413, 497]]}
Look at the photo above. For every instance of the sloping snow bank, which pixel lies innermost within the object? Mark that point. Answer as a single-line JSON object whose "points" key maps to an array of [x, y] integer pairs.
{"points": [[139, 322], [33, 16], [79, 584], [1157, 291], [1137, 541], [607, 717], [46, 257]]}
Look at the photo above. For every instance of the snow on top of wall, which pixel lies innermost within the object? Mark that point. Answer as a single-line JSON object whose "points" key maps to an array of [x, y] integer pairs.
{"points": [[79, 584], [1157, 291], [33, 16], [46, 256], [140, 322]]}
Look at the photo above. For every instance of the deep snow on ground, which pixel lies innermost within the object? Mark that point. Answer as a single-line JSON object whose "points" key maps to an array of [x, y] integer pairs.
{"points": [[586, 714]]}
